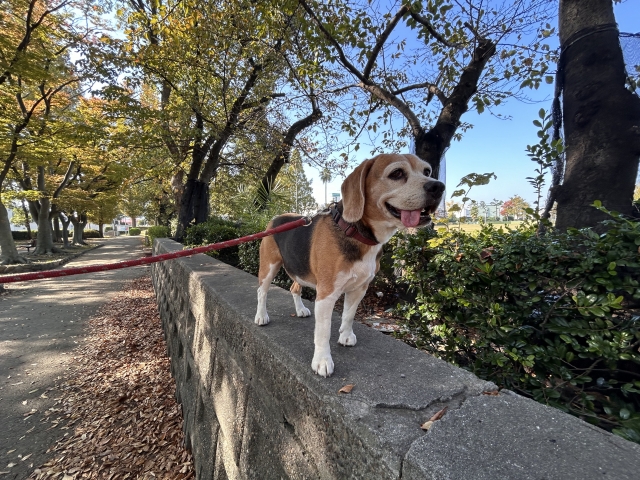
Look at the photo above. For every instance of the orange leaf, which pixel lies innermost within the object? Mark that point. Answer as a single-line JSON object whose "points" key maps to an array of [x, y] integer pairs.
{"points": [[346, 389]]}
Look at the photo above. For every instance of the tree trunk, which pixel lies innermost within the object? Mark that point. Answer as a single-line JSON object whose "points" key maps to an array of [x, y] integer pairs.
{"points": [[600, 116], [431, 144], [27, 222], [65, 229], [79, 222], [101, 229], [44, 244], [193, 207], [57, 234], [9, 252]]}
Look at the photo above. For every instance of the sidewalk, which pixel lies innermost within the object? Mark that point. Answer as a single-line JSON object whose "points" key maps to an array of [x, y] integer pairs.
{"points": [[41, 322]]}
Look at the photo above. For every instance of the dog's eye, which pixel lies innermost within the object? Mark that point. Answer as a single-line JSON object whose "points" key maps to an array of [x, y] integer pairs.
{"points": [[397, 174], [427, 172]]}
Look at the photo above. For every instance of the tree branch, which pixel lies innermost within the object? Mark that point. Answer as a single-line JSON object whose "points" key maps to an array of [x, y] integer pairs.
{"points": [[431, 88], [26, 39], [343, 59], [381, 41], [427, 24], [65, 180]]}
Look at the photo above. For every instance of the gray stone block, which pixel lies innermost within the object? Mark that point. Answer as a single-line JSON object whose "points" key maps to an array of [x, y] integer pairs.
{"points": [[255, 410], [513, 438]]}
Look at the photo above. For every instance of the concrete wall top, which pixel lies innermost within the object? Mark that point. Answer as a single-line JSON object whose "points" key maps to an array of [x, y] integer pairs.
{"points": [[208, 308]]}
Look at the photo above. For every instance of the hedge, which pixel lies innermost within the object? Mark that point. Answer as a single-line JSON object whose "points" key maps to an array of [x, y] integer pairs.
{"points": [[552, 316], [159, 231], [215, 230], [90, 233]]}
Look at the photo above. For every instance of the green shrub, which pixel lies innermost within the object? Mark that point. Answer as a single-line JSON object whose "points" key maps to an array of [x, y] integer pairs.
{"points": [[134, 231], [551, 316], [159, 231], [90, 233], [108, 229], [215, 230], [22, 235]]}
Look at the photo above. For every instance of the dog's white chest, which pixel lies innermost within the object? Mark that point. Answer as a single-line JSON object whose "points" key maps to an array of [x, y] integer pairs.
{"points": [[360, 274]]}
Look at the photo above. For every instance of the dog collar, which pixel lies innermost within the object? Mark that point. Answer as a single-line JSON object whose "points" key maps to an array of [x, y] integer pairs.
{"points": [[349, 229]]}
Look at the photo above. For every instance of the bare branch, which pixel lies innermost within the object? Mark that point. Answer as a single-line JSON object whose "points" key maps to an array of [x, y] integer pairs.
{"points": [[474, 31], [382, 39]]}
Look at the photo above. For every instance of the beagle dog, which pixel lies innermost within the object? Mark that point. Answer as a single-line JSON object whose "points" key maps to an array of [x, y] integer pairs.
{"points": [[339, 251]]}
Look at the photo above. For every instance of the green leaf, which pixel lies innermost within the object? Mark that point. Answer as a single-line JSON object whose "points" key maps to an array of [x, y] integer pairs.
{"points": [[624, 414]]}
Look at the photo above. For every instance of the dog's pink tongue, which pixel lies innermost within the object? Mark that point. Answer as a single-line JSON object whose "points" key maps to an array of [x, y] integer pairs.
{"points": [[410, 218]]}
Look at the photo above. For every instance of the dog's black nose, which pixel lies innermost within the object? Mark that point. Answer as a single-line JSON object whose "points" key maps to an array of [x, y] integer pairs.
{"points": [[434, 188]]}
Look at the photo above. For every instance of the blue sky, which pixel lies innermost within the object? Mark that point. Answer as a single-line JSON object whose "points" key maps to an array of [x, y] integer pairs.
{"points": [[497, 145]]}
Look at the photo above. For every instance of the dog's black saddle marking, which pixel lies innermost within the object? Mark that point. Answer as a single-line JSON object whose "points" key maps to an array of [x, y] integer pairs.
{"points": [[295, 246]]}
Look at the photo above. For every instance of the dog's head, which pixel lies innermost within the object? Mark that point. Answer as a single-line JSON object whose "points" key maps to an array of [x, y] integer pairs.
{"points": [[393, 189]]}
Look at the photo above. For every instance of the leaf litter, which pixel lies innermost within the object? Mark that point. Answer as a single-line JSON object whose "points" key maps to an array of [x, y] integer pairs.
{"points": [[118, 406]]}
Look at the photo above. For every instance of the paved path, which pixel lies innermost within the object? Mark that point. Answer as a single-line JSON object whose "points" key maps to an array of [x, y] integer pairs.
{"points": [[41, 322]]}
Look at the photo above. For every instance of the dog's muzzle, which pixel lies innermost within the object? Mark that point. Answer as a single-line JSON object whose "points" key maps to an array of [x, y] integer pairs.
{"points": [[434, 189]]}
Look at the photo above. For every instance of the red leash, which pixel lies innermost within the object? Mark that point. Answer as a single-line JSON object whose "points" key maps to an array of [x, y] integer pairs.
{"points": [[157, 258]]}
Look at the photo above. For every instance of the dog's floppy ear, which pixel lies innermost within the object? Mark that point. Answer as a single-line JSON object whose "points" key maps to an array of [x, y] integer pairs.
{"points": [[353, 192]]}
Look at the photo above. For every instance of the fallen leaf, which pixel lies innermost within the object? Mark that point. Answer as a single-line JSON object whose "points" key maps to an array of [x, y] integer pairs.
{"points": [[119, 397], [493, 393], [438, 415], [346, 389], [426, 425]]}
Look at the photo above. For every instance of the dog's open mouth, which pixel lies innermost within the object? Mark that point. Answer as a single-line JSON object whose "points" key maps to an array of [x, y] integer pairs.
{"points": [[410, 218]]}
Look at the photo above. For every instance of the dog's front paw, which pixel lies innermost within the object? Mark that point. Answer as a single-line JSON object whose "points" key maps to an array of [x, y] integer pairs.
{"points": [[348, 339], [303, 312], [262, 318], [322, 365]]}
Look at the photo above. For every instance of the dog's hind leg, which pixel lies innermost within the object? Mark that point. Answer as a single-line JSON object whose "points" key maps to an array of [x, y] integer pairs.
{"points": [[351, 301], [270, 263], [301, 310]]}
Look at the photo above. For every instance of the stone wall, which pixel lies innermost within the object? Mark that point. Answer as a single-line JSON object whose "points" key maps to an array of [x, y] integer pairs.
{"points": [[253, 408]]}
